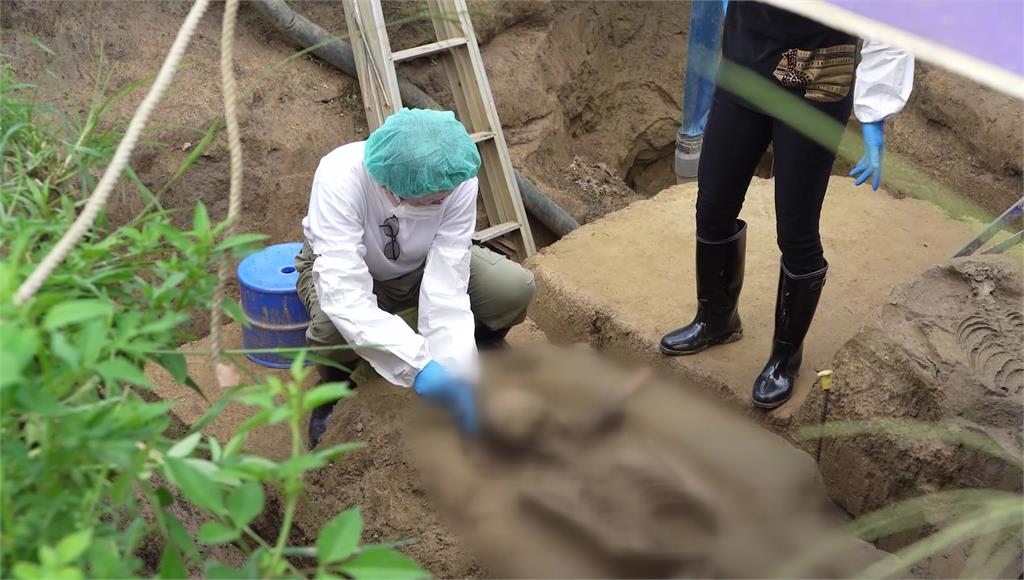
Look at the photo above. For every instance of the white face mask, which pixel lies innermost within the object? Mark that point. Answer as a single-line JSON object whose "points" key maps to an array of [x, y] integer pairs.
{"points": [[417, 212]]}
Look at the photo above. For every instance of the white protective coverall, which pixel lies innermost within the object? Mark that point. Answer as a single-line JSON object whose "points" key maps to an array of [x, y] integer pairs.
{"points": [[885, 77], [346, 210]]}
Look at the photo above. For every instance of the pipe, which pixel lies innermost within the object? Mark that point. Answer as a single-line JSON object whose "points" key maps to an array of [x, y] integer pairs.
{"points": [[699, 86], [338, 54]]}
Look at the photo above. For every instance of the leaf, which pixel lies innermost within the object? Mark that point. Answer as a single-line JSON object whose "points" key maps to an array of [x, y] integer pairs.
{"points": [[332, 452], [72, 547], [120, 369], [340, 537], [256, 467], [185, 447], [27, 570], [960, 531], [76, 311], [380, 563], [215, 450], [171, 565], [235, 312], [180, 538], [65, 352], [193, 156], [252, 563], [47, 557], [217, 571], [325, 393], [908, 429], [147, 195], [192, 385], [166, 322], [175, 365], [91, 340], [103, 559], [164, 496], [278, 415], [213, 411], [298, 365], [18, 348], [245, 503], [240, 240], [65, 573], [299, 464], [216, 533], [200, 219], [262, 398], [195, 485]]}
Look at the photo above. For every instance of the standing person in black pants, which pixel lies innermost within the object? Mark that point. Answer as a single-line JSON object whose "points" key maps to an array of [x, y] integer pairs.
{"points": [[816, 64]]}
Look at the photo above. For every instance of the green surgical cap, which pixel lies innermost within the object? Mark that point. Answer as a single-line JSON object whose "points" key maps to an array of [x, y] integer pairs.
{"points": [[417, 152]]}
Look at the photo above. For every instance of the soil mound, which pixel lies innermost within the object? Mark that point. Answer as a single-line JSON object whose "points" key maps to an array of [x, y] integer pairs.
{"points": [[381, 481], [947, 350], [585, 469]]}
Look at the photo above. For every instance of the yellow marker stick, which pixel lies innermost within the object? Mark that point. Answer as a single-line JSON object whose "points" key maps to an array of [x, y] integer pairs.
{"points": [[825, 378]]}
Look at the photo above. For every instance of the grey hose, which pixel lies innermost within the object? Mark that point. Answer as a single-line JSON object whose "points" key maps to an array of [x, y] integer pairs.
{"points": [[338, 54]]}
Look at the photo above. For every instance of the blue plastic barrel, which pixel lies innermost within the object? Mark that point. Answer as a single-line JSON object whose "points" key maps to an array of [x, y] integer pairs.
{"points": [[277, 318]]}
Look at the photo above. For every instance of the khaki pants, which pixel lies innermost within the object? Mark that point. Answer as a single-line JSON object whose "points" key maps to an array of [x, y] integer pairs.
{"points": [[499, 293]]}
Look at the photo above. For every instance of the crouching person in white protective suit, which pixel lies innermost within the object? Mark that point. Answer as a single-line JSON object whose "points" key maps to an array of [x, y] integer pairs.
{"points": [[389, 229]]}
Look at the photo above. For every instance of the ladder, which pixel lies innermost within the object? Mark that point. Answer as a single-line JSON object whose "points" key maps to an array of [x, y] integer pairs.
{"points": [[1004, 221], [508, 230]]}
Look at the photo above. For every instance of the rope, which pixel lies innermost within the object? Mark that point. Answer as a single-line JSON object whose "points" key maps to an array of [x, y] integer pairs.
{"points": [[99, 196], [227, 375]]}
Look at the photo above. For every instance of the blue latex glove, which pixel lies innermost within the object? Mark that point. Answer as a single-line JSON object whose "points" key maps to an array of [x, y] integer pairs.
{"points": [[870, 165], [435, 385]]}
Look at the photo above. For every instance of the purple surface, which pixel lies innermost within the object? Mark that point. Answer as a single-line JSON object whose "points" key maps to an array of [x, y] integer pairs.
{"points": [[990, 30]]}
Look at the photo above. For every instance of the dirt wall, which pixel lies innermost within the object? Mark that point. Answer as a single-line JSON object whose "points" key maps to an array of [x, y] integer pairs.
{"points": [[588, 92]]}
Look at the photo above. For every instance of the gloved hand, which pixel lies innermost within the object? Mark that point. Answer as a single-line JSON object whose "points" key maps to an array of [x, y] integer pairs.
{"points": [[870, 165], [435, 385]]}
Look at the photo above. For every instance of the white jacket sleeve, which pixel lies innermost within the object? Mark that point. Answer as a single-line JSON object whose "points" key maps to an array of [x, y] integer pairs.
{"points": [[885, 77], [445, 318], [345, 288]]}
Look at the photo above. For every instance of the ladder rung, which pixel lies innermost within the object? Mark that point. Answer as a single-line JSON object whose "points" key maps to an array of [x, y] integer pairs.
{"points": [[427, 49], [481, 136], [495, 231]]}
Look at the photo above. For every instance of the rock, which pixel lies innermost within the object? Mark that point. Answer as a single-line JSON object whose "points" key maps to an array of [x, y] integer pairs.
{"points": [[946, 351]]}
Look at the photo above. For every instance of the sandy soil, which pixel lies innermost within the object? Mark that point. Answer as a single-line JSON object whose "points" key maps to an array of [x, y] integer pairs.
{"points": [[624, 281]]}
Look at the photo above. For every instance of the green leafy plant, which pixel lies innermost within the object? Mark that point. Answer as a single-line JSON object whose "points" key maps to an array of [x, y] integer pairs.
{"points": [[88, 469], [229, 485]]}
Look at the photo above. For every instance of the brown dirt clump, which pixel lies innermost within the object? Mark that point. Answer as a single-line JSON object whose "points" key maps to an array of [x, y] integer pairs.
{"points": [[945, 349], [586, 469]]}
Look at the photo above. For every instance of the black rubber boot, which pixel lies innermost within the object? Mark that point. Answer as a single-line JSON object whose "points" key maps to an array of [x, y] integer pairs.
{"points": [[795, 304], [320, 416], [719, 281], [487, 339]]}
